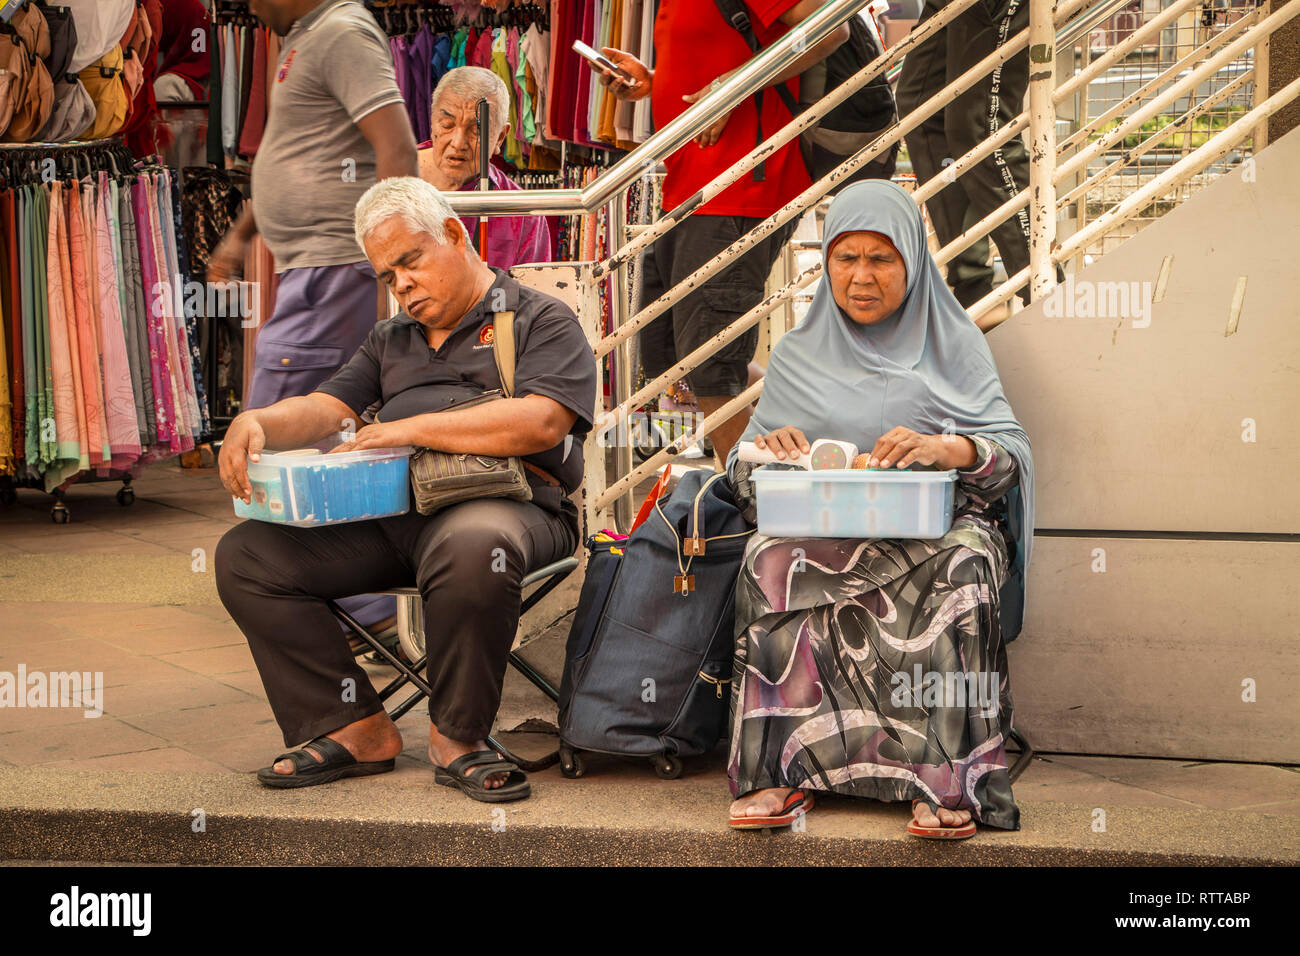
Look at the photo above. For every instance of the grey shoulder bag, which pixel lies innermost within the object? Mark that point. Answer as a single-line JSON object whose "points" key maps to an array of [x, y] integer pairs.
{"points": [[441, 478]]}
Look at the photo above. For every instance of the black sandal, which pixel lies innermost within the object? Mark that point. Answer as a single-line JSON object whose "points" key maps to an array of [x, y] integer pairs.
{"points": [[469, 771], [336, 762]]}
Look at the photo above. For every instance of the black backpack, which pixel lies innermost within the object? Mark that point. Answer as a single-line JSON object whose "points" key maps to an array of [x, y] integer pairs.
{"points": [[852, 124]]}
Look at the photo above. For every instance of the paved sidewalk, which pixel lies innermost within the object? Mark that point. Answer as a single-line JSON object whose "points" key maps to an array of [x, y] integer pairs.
{"points": [[128, 591]]}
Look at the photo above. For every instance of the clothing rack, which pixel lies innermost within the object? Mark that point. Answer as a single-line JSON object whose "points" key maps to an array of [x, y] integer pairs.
{"points": [[95, 386]]}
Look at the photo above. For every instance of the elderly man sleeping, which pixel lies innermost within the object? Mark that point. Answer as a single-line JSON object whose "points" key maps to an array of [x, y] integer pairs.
{"points": [[275, 579]]}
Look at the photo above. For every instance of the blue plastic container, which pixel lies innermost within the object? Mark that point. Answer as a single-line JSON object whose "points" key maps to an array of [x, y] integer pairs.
{"points": [[854, 503], [305, 490]]}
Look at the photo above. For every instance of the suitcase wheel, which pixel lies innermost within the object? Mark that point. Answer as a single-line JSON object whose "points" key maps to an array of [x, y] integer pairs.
{"points": [[571, 763], [667, 766]]}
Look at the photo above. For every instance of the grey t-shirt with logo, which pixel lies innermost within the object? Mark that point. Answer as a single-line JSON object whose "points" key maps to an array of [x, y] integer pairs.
{"points": [[313, 163]]}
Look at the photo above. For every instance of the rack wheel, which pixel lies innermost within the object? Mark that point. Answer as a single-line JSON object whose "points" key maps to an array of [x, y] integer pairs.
{"points": [[60, 514], [7, 495], [666, 766], [126, 497], [571, 763]]}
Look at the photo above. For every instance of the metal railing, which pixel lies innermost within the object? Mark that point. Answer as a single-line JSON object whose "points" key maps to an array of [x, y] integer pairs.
{"points": [[1091, 154]]}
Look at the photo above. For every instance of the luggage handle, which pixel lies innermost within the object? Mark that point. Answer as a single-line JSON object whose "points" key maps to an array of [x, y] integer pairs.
{"points": [[684, 583]]}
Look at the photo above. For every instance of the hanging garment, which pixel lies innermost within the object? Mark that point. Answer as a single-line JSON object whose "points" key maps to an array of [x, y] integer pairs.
{"points": [[33, 94], [102, 81], [420, 67], [100, 25]]}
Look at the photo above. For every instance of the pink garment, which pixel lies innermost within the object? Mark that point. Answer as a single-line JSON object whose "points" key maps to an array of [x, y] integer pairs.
{"points": [[167, 247], [512, 240], [119, 397], [69, 423], [155, 304], [182, 439], [78, 319], [100, 453]]}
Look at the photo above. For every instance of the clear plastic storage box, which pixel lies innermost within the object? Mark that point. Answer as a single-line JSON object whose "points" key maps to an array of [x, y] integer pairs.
{"points": [[306, 488], [854, 503]]}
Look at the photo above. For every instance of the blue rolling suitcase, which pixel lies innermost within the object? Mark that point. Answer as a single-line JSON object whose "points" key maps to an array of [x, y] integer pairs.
{"points": [[648, 660]]}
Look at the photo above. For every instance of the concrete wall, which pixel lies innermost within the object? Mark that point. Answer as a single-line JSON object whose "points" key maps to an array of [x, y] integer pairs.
{"points": [[1165, 575]]}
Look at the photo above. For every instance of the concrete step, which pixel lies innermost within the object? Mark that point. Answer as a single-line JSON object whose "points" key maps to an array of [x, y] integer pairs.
{"points": [[618, 814]]}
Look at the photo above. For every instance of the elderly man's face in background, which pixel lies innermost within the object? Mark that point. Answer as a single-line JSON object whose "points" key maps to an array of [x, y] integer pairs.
{"points": [[455, 139], [431, 280]]}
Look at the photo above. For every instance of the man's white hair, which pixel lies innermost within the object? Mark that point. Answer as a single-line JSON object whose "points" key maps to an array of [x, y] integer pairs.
{"points": [[418, 202], [471, 84]]}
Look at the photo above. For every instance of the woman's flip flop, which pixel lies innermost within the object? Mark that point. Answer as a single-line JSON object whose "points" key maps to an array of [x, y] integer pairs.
{"points": [[468, 772], [336, 763], [962, 832], [797, 803]]}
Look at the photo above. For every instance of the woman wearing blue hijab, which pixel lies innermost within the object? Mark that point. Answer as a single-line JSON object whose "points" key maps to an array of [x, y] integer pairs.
{"points": [[877, 668]]}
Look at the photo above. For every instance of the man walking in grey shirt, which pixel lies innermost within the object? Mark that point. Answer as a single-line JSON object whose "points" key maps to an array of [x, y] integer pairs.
{"points": [[336, 124]]}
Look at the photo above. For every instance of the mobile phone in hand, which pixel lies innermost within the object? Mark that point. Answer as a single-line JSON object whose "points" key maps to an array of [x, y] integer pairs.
{"points": [[598, 59]]}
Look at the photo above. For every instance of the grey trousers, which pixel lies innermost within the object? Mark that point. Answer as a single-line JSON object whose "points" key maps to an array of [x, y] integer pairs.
{"points": [[982, 110], [467, 560]]}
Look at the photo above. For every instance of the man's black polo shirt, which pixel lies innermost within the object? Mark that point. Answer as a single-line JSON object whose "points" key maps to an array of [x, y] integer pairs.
{"points": [[397, 372]]}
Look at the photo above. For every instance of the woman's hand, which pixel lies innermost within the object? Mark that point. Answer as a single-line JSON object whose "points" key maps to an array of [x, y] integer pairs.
{"points": [[243, 443], [642, 76], [380, 435], [786, 443], [900, 447]]}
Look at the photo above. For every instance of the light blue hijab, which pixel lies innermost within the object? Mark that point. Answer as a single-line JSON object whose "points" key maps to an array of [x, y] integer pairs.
{"points": [[926, 367]]}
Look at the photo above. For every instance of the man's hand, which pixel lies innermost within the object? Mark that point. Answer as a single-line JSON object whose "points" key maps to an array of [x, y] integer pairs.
{"points": [[243, 443], [226, 263], [380, 435], [900, 447], [713, 132], [642, 75]]}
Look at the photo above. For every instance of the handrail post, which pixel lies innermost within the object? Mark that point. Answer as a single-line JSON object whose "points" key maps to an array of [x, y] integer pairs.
{"points": [[1042, 146], [623, 375]]}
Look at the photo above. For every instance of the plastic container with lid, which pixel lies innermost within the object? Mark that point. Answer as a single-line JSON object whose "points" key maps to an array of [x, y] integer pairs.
{"points": [[307, 488], [854, 503]]}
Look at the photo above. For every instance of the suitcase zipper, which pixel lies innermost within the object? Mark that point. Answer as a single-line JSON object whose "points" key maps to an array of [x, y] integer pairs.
{"points": [[716, 681], [684, 583]]}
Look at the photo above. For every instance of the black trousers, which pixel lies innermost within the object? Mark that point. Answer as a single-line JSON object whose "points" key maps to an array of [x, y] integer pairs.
{"points": [[981, 111], [467, 560], [706, 311]]}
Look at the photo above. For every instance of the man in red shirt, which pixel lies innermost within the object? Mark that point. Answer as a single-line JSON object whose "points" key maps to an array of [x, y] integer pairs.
{"points": [[694, 48]]}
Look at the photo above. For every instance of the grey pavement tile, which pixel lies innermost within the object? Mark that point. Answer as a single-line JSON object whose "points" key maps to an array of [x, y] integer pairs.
{"points": [[245, 753], [103, 620], [183, 691], [180, 637], [162, 759], [90, 738], [205, 722], [248, 682], [214, 660], [1218, 786]]}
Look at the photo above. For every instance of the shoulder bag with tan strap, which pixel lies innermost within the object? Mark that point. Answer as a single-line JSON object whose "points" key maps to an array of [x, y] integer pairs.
{"points": [[441, 478]]}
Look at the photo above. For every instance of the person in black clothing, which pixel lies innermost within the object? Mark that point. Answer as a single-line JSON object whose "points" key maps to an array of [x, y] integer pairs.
{"points": [[962, 125], [468, 559]]}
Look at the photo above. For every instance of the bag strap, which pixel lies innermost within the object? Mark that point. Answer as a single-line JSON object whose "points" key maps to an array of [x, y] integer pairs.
{"points": [[503, 349], [734, 12]]}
